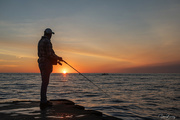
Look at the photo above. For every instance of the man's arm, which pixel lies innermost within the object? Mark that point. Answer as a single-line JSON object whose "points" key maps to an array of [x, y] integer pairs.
{"points": [[50, 52], [58, 58]]}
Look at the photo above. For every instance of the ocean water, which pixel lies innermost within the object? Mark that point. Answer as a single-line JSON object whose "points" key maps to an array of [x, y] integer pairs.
{"points": [[131, 96]]}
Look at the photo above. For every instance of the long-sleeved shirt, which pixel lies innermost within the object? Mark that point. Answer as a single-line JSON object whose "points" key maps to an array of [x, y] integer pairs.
{"points": [[45, 50]]}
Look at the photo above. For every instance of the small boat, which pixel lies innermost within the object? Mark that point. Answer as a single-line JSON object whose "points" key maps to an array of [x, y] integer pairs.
{"points": [[105, 74]]}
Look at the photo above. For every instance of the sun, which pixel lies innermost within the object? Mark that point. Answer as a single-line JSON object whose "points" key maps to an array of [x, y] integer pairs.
{"points": [[64, 72]]}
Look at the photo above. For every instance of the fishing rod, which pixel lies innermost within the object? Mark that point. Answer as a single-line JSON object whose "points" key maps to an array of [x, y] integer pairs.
{"points": [[87, 78], [107, 95]]}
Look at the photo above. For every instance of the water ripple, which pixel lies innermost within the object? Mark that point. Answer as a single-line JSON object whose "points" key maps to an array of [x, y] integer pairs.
{"points": [[133, 96]]}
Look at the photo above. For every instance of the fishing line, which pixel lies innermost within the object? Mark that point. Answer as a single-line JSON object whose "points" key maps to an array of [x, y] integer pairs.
{"points": [[87, 79], [112, 110]]}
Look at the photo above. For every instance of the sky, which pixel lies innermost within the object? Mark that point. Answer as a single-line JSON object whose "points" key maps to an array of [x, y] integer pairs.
{"points": [[93, 36]]}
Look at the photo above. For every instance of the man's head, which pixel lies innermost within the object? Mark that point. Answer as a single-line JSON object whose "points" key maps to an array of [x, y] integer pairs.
{"points": [[48, 33]]}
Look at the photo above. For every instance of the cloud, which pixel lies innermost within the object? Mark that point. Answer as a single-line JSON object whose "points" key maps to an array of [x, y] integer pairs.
{"points": [[173, 67], [9, 66], [17, 53]]}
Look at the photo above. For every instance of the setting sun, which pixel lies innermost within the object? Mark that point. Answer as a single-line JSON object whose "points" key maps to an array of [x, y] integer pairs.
{"points": [[64, 72]]}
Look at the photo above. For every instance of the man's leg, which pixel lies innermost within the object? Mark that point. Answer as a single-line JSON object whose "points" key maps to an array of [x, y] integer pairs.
{"points": [[46, 70], [44, 85]]}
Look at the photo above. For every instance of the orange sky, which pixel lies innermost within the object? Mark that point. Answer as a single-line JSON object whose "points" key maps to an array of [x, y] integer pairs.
{"points": [[93, 36]]}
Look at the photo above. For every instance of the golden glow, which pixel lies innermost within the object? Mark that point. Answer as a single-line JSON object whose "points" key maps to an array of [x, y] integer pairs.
{"points": [[126, 45], [64, 72]]}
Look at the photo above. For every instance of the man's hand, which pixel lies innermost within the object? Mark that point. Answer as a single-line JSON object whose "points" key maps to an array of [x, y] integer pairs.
{"points": [[60, 59]]}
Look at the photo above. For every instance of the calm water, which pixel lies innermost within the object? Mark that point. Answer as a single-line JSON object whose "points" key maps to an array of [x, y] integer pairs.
{"points": [[133, 96]]}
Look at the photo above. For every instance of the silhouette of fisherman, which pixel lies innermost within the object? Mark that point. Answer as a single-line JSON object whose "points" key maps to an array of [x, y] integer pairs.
{"points": [[47, 58]]}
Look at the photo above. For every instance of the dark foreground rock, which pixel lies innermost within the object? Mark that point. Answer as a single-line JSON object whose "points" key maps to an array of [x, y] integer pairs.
{"points": [[61, 110]]}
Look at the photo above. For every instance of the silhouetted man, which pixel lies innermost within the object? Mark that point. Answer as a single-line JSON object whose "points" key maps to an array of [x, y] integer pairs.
{"points": [[47, 58]]}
